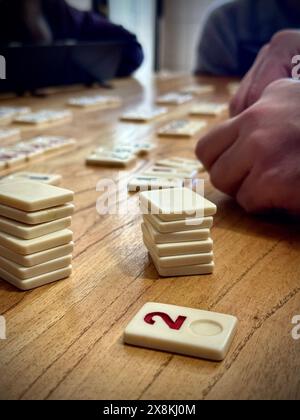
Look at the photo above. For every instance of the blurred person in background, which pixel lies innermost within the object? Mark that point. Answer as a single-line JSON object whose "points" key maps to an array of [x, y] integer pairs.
{"points": [[236, 30], [50, 21]]}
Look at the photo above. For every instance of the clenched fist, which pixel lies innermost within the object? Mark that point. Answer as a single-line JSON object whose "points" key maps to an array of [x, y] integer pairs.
{"points": [[255, 156], [273, 62]]}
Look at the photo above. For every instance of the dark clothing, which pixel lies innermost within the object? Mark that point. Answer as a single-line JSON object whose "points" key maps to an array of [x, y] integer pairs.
{"points": [[66, 22], [235, 31]]}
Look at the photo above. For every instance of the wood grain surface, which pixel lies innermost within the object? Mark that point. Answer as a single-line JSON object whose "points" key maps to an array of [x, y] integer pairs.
{"points": [[64, 340]]}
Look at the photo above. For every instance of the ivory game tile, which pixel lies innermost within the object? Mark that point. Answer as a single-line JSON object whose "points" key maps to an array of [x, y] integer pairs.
{"points": [[178, 248], [32, 196], [178, 225], [23, 231], [187, 331], [39, 257], [31, 246], [41, 216], [24, 273], [181, 236], [176, 204], [35, 282]]}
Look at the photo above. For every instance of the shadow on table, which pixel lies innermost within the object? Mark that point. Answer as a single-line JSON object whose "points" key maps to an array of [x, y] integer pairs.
{"points": [[277, 225]]}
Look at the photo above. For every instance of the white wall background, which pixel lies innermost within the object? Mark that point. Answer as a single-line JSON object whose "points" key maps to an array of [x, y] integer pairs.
{"points": [[180, 33], [138, 16], [81, 4]]}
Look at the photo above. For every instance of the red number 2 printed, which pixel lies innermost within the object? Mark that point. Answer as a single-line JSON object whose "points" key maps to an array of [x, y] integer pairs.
{"points": [[174, 325]]}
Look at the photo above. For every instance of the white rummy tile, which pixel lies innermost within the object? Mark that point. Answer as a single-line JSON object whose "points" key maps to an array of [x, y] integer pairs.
{"points": [[178, 248], [181, 236], [181, 164], [182, 128], [33, 196], [144, 114], [209, 109], [24, 273], [176, 261], [176, 204], [144, 183], [111, 159], [181, 330], [174, 98], [178, 225], [24, 231], [38, 281]]}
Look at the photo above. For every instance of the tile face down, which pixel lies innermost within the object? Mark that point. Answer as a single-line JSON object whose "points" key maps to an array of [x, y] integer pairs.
{"points": [[31, 246], [23, 231], [182, 236], [176, 204], [36, 281], [24, 273], [178, 225], [182, 261], [38, 257], [178, 248], [186, 331], [32, 196], [41, 216], [184, 271]]}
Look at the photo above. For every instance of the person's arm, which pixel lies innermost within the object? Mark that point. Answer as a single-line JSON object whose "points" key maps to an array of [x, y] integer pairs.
{"points": [[255, 157], [35, 22], [273, 62], [67, 22]]}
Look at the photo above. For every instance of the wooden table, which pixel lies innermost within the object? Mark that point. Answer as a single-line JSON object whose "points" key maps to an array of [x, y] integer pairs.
{"points": [[64, 340]]}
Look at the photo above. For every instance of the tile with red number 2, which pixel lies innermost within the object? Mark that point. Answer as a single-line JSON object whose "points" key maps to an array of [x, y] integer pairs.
{"points": [[187, 331]]}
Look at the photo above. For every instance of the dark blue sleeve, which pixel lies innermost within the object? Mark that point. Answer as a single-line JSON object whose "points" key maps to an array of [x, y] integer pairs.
{"points": [[67, 22]]}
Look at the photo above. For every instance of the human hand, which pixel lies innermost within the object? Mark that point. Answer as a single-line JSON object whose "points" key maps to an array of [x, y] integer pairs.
{"points": [[273, 62], [255, 157]]}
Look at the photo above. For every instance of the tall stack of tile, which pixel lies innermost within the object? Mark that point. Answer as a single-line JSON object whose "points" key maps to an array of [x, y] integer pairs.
{"points": [[36, 244]]}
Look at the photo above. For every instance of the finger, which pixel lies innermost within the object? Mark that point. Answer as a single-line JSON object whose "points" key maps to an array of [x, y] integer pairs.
{"points": [[213, 144], [233, 166], [254, 195], [239, 102], [269, 72]]}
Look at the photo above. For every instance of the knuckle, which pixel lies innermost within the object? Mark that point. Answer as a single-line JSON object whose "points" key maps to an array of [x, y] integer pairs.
{"points": [[219, 179], [264, 51], [279, 38], [280, 83], [252, 116], [258, 145]]}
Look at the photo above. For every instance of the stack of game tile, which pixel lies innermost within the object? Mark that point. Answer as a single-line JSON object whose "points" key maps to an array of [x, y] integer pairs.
{"points": [[176, 231], [36, 244]]}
